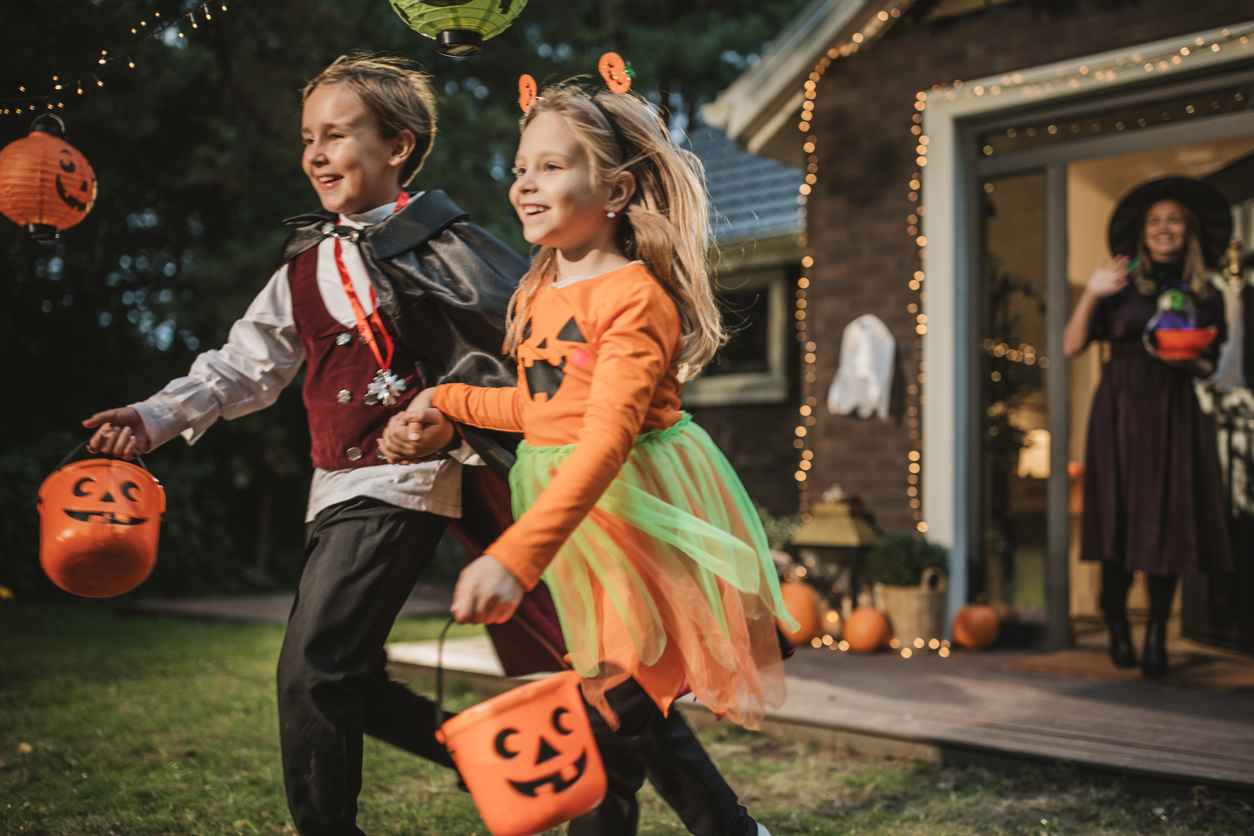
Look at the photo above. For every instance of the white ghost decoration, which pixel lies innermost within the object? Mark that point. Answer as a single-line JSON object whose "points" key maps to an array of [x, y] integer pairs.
{"points": [[863, 381]]}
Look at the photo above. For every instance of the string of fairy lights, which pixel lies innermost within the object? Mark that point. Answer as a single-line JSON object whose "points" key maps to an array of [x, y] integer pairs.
{"points": [[31, 99], [870, 30], [1026, 86], [906, 650]]}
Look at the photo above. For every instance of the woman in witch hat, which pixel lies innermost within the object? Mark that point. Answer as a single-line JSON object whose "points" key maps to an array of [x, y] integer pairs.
{"points": [[1153, 496]]}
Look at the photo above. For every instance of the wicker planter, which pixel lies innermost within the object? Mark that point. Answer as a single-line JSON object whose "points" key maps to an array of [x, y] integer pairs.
{"points": [[915, 611]]}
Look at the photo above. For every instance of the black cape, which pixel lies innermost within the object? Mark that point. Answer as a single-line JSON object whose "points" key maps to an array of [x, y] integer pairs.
{"points": [[443, 284]]}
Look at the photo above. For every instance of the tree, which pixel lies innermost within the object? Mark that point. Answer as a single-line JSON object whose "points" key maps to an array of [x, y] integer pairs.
{"points": [[197, 151]]}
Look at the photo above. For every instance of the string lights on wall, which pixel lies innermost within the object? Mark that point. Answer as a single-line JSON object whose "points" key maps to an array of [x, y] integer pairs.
{"points": [[30, 99], [870, 30], [1124, 66], [1018, 85]]}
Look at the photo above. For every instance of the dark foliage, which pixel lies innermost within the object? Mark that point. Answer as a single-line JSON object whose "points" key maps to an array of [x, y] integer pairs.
{"points": [[196, 152]]}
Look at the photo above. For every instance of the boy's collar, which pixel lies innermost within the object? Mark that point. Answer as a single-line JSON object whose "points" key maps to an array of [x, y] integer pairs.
{"points": [[426, 216], [370, 217]]}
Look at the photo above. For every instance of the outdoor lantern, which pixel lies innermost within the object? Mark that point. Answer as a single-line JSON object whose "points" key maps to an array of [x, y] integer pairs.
{"points": [[46, 185], [839, 529], [459, 27], [832, 543]]}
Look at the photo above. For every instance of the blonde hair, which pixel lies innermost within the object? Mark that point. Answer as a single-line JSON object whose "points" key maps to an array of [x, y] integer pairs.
{"points": [[396, 92], [1195, 275], [666, 223]]}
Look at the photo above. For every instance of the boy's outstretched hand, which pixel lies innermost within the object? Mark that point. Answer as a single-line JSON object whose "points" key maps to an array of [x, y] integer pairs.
{"points": [[486, 593], [119, 432]]}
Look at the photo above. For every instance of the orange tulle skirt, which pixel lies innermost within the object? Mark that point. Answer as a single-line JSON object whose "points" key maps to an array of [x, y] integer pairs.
{"points": [[668, 580]]}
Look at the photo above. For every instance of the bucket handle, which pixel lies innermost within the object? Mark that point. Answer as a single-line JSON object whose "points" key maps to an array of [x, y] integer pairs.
{"points": [[76, 450], [439, 658]]}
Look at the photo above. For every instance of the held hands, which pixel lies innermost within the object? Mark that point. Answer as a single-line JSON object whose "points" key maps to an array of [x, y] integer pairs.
{"points": [[1109, 280], [486, 593], [415, 433], [119, 432]]}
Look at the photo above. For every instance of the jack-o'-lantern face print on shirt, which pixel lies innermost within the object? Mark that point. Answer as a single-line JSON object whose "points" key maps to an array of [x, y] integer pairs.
{"points": [[545, 356]]}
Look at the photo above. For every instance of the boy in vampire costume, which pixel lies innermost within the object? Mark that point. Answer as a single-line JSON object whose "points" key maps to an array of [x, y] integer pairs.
{"points": [[380, 295]]}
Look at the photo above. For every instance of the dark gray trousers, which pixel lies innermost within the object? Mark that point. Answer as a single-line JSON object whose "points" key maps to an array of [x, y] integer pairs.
{"points": [[362, 559]]}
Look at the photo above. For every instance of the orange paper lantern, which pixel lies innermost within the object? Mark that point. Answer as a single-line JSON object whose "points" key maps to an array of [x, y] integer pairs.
{"points": [[976, 626], [866, 630], [804, 605], [99, 523], [46, 184]]}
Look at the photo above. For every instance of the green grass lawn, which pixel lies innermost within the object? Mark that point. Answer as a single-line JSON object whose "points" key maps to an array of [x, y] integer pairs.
{"points": [[135, 725]]}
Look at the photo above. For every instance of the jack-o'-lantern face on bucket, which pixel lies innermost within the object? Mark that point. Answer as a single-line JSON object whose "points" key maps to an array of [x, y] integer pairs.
{"points": [[529, 756], [100, 505], [99, 525], [540, 762]]}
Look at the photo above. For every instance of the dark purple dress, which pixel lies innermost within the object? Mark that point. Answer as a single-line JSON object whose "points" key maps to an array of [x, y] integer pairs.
{"points": [[1153, 494]]}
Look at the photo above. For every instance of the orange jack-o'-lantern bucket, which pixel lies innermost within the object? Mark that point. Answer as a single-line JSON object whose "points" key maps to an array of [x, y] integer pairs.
{"points": [[98, 526], [528, 756]]}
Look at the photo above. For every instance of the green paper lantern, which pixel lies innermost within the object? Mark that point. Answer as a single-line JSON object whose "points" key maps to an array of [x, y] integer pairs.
{"points": [[459, 27]]}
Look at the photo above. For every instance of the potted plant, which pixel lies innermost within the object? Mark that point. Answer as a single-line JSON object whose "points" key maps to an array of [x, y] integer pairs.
{"points": [[908, 572]]}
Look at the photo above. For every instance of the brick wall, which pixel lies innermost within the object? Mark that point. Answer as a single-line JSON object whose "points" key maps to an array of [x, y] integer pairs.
{"points": [[757, 439], [857, 214]]}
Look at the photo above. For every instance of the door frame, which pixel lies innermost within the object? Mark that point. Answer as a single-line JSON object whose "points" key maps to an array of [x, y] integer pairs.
{"points": [[952, 118]]}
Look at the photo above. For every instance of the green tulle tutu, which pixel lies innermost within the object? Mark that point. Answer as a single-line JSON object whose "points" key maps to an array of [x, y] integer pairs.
{"points": [[669, 579]]}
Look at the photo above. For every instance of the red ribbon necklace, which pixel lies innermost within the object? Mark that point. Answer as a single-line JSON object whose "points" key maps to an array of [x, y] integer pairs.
{"points": [[386, 386]]}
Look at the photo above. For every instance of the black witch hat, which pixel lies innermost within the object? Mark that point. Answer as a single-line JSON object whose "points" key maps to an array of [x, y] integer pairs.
{"points": [[1210, 207]]}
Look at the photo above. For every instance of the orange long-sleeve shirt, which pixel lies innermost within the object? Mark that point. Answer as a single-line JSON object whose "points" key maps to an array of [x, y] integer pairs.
{"points": [[595, 369]]}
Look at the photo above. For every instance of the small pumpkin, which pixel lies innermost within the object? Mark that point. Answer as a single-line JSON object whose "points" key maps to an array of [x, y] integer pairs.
{"points": [[976, 626], [804, 605], [866, 630]]}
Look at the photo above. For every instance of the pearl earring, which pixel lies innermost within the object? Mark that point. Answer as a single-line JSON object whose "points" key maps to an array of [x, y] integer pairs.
{"points": [[610, 213]]}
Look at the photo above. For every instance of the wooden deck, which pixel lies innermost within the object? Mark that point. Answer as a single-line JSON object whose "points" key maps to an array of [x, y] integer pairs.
{"points": [[979, 704]]}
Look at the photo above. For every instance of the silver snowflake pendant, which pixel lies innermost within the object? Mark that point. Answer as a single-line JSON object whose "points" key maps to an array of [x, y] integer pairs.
{"points": [[385, 389]]}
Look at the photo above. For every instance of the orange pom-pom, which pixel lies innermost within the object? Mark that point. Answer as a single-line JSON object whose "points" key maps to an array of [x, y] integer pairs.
{"points": [[526, 92], [614, 70]]}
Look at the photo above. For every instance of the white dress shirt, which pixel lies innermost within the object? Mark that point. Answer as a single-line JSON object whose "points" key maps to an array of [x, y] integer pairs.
{"points": [[262, 355]]}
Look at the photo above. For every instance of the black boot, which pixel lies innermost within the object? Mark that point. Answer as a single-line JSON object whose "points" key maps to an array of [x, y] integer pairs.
{"points": [[1122, 654], [1154, 655]]}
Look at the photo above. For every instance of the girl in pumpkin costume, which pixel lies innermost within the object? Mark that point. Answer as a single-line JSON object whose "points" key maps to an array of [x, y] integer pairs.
{"points": [[648, 542]]}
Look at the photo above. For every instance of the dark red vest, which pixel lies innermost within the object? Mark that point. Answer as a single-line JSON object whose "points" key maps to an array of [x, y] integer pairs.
{"points": [[344, 431]]}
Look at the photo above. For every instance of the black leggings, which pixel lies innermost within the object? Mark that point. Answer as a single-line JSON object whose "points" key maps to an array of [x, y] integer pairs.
{"points": [[1114, 598], [666, 752]]}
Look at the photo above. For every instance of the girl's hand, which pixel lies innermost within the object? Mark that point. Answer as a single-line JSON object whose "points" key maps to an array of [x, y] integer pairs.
{"points": [[422, 401], [486, 593], [410, 435], [1109, 280]]}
